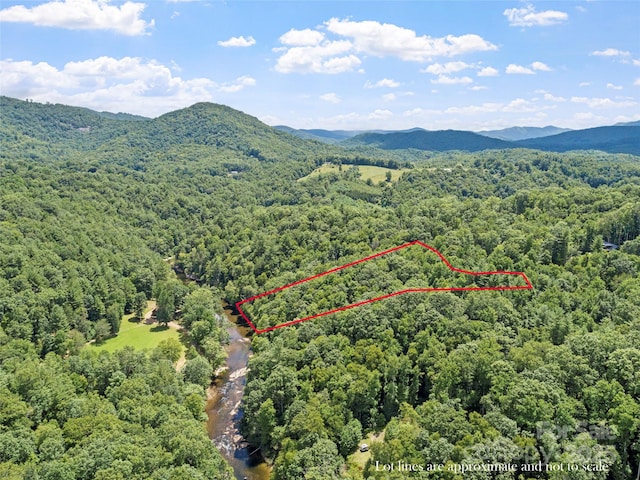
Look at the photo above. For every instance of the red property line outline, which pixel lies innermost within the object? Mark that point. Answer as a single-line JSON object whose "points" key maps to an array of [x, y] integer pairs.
{"points": [[528, 286]]}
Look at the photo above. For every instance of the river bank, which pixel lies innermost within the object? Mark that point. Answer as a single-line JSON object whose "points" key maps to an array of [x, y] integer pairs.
{"points": [[224, 406]]}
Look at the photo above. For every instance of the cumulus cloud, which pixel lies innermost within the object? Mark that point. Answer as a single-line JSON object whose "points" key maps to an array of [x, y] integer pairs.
{"points": [[130, 84], [330, 97], [310, 51], [238, 84], [528, 17], [540, 66], [636, 82], [450, 67], [513, 69], [614, 87], [446, 80], [584, 84], [488, 72], [388, 40], [385, 82], [82, 15], [329, 57], [476, 88], [238, 42], [389, 97], [611, 52], [301, 38]]}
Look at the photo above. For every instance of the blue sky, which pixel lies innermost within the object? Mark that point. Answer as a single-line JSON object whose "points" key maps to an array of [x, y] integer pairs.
{"points": [[337, 65]]}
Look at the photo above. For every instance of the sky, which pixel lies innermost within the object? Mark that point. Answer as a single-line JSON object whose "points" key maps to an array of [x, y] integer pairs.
{"points": [[351, 65]]}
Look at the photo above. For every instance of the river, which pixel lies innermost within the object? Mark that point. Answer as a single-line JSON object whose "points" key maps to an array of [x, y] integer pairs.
{"points": [[224, 406]]}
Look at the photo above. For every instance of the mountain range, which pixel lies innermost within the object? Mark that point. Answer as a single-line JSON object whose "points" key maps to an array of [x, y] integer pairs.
{"points": [[509, 134], [615, 139], [223, 127], [619, 138], [523, 133]]}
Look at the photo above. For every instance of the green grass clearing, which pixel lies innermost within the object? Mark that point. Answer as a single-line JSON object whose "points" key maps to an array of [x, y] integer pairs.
{"points": [[376, 174], [139, 335], [359, 458]]}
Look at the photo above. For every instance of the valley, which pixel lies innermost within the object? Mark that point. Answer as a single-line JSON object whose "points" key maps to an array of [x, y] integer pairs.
{"points": [[88, 219]]}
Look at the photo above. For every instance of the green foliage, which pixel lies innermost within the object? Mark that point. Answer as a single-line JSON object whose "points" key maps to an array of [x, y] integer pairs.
{"points": [[87, 217], [130, 417], [198, 370]]}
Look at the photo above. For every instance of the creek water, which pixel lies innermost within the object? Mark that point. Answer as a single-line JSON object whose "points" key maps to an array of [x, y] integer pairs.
{"points": [[224, 406]]}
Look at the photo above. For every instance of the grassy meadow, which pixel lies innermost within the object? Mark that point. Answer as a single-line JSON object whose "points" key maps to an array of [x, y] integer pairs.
{"points": [[376, 174], [137, 334]]}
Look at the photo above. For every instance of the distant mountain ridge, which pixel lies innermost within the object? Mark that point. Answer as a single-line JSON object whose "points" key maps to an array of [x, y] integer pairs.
{"points": [[622, 139], [437, 141], [332, 136], [522, 133], [615, 139]]}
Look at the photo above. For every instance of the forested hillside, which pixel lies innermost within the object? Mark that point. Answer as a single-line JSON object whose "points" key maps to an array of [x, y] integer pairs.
{"points": [[92, 205]]}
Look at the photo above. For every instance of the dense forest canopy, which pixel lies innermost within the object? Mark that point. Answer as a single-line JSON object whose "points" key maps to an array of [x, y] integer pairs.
{"points": [[91, 205]]}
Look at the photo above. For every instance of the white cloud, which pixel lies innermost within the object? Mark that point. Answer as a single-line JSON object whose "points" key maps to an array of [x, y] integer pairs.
{"points": [[330, 57], [614, 87], [450, 67], [238, 84], [380, 114], [540, 66], [603, 102], [584, 84], [518, 69], [389, 97], [385, 39], [128, 84], [488, 107], [82, 15], [310, 51], [519, 105], [301, 38], [635, 62], [238, 42], [488, 72], [636, 82], [446, 80], [476, 88], [331, 98], [553, 98], [385, 82], [528, 17], [611, 52]]}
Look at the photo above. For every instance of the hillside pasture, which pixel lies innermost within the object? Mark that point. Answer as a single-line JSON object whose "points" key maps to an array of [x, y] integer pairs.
{"points": [[376, 174]]}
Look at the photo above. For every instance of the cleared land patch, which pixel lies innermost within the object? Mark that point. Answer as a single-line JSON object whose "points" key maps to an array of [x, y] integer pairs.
{"points": [[376, 174], [138, 334]]}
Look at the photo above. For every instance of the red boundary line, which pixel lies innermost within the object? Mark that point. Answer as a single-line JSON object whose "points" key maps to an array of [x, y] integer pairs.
{"points": [[528, 286]]}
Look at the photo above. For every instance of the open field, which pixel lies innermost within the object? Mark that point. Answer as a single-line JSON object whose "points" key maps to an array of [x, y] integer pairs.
{"points": [[360, 458], [376, 174], [140, 335]]}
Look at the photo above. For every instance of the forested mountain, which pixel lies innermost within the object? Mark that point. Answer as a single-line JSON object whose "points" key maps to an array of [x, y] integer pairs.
{"points": [[332, 136], [328, 136], [620, 139], [87, 218], [522, 133], [617, 139], [438, 141]]}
